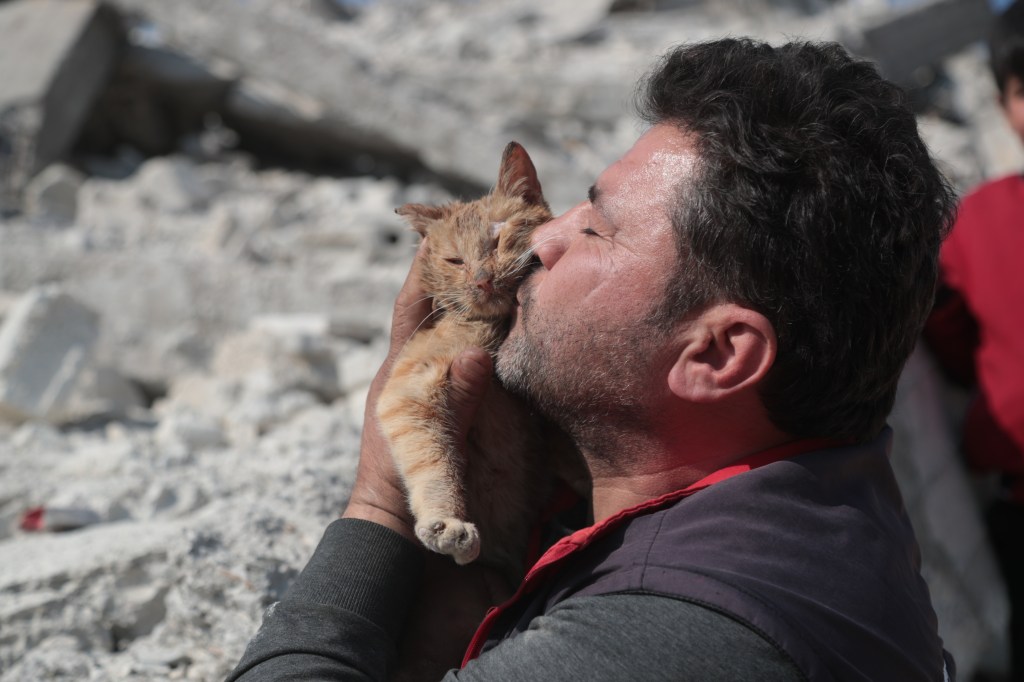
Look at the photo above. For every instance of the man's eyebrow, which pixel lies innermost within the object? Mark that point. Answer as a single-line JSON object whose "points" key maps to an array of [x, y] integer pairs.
{"points": [[593, 194]]}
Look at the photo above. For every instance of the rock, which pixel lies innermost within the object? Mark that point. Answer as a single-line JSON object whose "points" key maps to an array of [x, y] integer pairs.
{"points": [[37, 436], [7, 301], [55, 59], [94, 584], [360, 325], [52, 196], [274, 362], [54, 658], [100, 391], [358, 366], [155, 97], [203, 393], [192, 430], [45, 342], [258, 412], [171, 185]]}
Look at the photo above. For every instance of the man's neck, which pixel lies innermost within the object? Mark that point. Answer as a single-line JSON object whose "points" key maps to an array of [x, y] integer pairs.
{"points": [[620, 487]]}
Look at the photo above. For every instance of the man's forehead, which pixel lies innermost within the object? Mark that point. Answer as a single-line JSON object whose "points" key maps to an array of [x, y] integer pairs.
{"points": [[652, 169]]}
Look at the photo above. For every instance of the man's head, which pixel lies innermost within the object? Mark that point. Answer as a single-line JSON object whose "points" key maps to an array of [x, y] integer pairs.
{"points": [[816, 203], [804, 217], [1006, 57]]}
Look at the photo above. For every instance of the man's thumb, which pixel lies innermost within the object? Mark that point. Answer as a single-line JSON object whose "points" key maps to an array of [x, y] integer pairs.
{"points": [[470, 378]]}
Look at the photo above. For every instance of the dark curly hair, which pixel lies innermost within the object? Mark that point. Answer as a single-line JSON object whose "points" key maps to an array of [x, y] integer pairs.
{"points": [[815, 203], [1006, 45]]}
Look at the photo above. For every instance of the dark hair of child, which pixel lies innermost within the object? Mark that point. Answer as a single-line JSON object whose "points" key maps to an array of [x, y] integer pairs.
{"points": [[1006, 45]]}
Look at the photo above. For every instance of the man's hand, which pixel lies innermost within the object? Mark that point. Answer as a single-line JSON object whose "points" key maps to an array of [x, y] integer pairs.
{"points": [[378, 494], [453, 598]]}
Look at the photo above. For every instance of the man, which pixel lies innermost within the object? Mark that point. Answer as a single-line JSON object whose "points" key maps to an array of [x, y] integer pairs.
{"points": [[720, 328]]}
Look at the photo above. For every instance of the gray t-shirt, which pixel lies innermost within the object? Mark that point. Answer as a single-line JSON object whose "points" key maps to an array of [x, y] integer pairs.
{"points": [[342, 618]]}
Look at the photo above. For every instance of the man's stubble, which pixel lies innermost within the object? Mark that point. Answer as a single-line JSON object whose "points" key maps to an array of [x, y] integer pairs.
{"points": [[592, 382]]}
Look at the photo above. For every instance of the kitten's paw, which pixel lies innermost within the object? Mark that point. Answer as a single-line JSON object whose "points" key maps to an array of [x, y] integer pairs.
{"points": [[459, 539]]}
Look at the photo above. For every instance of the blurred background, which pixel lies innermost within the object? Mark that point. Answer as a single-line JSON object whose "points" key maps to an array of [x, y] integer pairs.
{"points": [[198, 256]]}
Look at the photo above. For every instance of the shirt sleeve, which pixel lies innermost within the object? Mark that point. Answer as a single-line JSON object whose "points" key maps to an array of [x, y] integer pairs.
{"points": [[623, 637], [344, 614], [342, 617]]}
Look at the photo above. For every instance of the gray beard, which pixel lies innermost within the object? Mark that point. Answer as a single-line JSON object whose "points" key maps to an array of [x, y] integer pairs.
{"points": [[592, 383]]}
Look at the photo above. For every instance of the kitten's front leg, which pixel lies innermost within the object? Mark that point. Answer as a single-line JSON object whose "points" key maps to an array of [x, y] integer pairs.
{"points": [[413, 416]]}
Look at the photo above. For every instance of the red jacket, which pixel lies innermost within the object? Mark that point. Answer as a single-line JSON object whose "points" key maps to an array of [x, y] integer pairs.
{"points": [[977, 327]]}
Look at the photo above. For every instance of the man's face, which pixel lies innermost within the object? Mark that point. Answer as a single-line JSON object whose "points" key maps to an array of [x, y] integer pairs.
{"points": [[583, 345], [1013, 104]]}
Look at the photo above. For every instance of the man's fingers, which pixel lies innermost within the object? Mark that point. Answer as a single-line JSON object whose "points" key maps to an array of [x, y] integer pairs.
{"points": [[470, 378]]}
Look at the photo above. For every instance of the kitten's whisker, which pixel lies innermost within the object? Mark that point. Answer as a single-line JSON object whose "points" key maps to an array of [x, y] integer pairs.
{"points": [[534, 245], [436, 311]]}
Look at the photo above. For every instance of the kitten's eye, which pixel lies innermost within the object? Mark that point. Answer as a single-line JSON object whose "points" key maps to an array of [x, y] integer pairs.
{"points": [[454, 261]]}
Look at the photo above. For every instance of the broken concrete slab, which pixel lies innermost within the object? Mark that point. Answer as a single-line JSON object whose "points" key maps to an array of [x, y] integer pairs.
{"points": [[69, 583], [55, 59], [45, 342], [406, 116], [171, 185], [272, 361], [51, 197], [193, 430], [155, 96], [100, 391]]}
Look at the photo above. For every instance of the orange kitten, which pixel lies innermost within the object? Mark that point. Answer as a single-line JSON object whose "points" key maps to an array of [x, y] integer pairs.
{"points": [[476, 255]]}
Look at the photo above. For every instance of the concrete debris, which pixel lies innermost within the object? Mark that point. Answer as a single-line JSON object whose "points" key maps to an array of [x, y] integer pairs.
{"points": [[187, 357], [45, 342], [101, 391], [55, 59], [155, 98], [52, 196], [275, 362], [170, 185], [191, 430]]}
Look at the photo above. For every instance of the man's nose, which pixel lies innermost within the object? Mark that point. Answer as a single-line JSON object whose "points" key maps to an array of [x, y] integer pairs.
{"points": [[551, 239]]}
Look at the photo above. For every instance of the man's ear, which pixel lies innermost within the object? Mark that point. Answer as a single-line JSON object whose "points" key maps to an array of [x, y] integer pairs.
{"points": [[725, 350]]}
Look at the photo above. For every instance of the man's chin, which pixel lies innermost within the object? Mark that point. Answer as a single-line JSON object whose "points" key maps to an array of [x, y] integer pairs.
{"points": [[511, 361]]}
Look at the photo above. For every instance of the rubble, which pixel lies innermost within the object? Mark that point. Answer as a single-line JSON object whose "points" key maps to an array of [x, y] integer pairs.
{"points": [[55, 59], [45, 342], [51, 198]]}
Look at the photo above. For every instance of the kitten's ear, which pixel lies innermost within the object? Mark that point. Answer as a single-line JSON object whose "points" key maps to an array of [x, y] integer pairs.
{"points": [[420, 215], [517, 176]]}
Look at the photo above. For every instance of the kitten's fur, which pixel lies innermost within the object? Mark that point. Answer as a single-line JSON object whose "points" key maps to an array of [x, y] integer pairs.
{"points": [[476, 255]]}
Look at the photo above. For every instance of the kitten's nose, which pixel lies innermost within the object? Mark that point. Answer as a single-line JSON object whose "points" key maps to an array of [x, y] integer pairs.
{"points": [[484, 283]]}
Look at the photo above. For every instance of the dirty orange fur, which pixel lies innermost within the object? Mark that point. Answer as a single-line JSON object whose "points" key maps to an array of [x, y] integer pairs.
{"points": [[476, 255]]}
